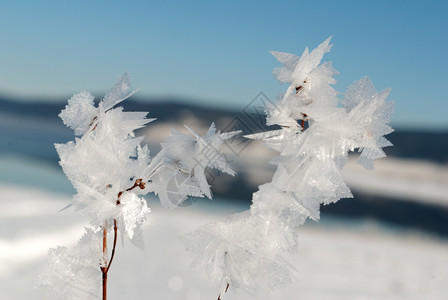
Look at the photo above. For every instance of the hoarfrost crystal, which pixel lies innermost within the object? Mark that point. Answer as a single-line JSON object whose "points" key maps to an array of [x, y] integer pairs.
{"points": [[74, 274], [186, 158], [317, 131], [110, 171]]}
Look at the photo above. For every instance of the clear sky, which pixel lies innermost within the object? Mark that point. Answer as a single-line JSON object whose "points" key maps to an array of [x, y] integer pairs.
{"points": [[216, 52]]}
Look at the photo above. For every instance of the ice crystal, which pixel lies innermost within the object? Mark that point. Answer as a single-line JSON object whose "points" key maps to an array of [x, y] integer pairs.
{"points": [[317, 131], [79, 112], [110, 171], [74, 273], [185, 160]]}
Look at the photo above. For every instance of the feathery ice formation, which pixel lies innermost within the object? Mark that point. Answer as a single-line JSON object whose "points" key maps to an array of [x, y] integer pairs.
{"points": [[317, 131]]}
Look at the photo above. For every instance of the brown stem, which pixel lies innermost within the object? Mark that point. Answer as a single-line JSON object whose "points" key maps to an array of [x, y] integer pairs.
{"points": [[225, 291], [93, 121], [114, 245], [138, 183], [304, 116], [104, 285], [105, 242], [106, 265]]}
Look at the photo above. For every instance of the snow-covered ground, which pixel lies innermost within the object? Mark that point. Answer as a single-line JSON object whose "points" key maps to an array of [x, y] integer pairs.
{"points": [[337, 260], [410, 180]]}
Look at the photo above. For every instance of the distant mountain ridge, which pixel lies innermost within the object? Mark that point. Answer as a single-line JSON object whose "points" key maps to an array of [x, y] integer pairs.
{"points": [[425, 145]]}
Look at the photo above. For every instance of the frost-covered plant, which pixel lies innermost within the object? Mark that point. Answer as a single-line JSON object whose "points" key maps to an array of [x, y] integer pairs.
{"points": [[316, 132], [110, 171]]}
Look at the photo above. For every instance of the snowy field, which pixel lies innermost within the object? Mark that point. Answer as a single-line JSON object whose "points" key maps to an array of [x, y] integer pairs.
{"points": [[338, 259]]}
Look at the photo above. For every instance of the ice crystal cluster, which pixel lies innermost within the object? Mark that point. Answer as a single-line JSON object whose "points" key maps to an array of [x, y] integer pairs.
{"points": [[110, 171], [316, 133]]}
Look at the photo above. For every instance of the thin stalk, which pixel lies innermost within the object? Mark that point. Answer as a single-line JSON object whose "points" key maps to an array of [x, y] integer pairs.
{"points": [[225, 291], [105, 266], [104, 269], [104, 285], [304, 116], [114, 245]]}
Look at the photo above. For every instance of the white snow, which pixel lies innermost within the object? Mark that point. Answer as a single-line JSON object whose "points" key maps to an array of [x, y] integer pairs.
{"points": [[335, 261], [414, 180]]}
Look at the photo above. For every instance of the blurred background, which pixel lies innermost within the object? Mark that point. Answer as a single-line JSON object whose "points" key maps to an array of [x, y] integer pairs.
{"points": [[197, 62]]}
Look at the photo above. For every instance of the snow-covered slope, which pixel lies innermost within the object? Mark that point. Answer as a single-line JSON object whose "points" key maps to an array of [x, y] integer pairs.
{"points": [[336, 260], [412, 180]]}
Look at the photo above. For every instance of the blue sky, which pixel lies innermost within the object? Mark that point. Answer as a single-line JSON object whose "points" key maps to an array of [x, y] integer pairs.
{"points": [[216, 52]]}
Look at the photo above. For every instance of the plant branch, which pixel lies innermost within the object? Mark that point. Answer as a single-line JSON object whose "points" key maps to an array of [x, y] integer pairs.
{"points": [[304, 116], [138, 183], [106, 264], [225, 291], [114, 245], [103, 268]]}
